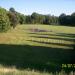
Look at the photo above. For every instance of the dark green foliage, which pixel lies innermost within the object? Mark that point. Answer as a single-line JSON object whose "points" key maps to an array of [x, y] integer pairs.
{"points": [[22, 19], [35, 18], [28, 19], [68, 20], [50, 20], [41, 19], [4, 20], [13, 17], [62, 19], [12, 10], [73, 19], [47, 20]]}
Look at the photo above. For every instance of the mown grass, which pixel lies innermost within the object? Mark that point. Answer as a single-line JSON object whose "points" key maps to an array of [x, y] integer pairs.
{"points": [[53, 34], [38, 47]]}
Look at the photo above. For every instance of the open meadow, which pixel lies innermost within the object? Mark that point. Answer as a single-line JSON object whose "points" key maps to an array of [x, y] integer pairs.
{"points": [[37, 47]]}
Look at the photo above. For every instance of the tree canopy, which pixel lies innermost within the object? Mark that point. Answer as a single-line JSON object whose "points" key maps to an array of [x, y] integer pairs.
{"points": [[12, 18], [4, 20]]}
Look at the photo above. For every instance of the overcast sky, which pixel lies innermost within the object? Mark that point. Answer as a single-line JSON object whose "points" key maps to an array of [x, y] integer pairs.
{"points": [[53, 7]]}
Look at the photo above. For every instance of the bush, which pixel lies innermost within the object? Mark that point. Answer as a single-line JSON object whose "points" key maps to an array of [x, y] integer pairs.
{"points": [[4, 20]]}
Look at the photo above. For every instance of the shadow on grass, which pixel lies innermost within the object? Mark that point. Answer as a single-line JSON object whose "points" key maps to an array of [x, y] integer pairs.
{"points": [[35, 57], [57, 34], [50, 43], [55, 38]]}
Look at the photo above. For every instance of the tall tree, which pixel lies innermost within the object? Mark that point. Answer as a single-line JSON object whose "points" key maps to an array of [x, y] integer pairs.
{"points": [[35, 18], [12, 10], [62, 19], [13, 17], [28, 19], [22, 19], [47, 19], [73, 19], [4, 20]]}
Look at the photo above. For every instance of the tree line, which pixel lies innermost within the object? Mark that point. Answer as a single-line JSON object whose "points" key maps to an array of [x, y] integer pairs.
{"points": [[11, 18]]}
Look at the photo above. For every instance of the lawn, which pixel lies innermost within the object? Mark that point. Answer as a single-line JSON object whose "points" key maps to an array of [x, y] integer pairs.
{"points": [[40, 35], [38, 47]]}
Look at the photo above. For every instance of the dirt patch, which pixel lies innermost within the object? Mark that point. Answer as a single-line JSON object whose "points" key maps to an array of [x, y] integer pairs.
{"points": [[38, 30]]}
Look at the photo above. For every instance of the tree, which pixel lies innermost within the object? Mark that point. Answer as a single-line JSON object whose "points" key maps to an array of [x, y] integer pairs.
{"points": [[47, 19], [68, 20], [12, 10], [62, 19], [41, 19], [4, 20], [13, 17], [35, 18], [28, 19], [73, 19], [22, 19]]}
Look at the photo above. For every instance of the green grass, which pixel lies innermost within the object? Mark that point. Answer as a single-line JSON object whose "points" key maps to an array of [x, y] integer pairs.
{"points": [[24, 47], [55, 34], [13, 71]]}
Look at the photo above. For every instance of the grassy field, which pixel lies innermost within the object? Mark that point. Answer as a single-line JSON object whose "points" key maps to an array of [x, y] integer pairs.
{"points": [[37, 34], [38, 47]]}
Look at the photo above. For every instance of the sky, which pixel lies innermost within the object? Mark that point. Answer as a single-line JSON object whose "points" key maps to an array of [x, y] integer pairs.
{"points": [[53, 7]]}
